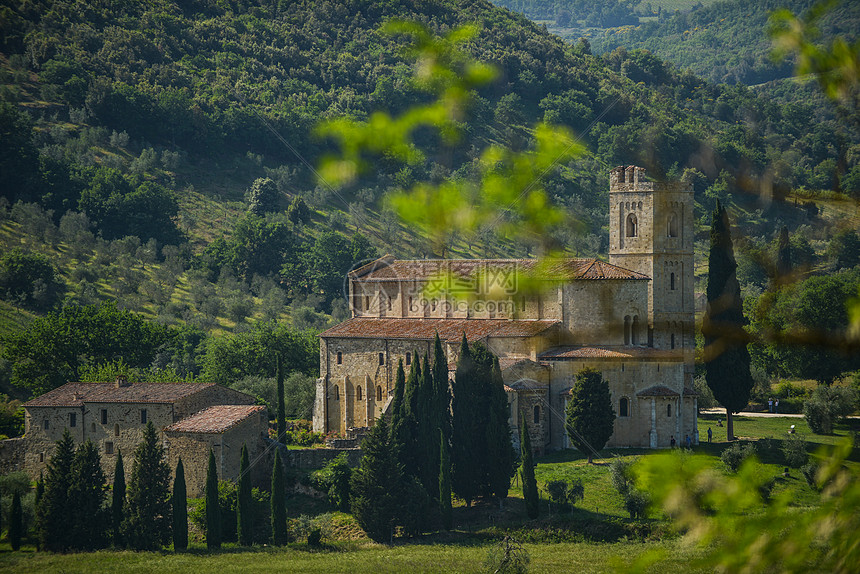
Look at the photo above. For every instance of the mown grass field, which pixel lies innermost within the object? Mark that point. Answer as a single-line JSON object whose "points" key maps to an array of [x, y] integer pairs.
{"points": [[360, 558], [596, 537]]}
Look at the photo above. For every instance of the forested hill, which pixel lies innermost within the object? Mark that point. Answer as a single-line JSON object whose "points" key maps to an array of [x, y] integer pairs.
{"points": [[724, 42]]}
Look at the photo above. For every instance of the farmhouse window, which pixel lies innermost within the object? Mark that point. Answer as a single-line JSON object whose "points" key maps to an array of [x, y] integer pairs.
{"points": [[104, 416], [108, 447], [47, 424], [624, 407], [143, 416], [408, 359], [381, 358], [339, 358], [73, 419]]}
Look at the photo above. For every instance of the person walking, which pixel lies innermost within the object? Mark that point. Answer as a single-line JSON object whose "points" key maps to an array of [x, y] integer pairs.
{"points": [[687, 442], [770, 405], [776, 406], [672, 441], [710, 434]]}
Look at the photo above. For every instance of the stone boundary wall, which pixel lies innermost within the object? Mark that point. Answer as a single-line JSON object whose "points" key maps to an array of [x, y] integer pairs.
{"points": [[12, 455]]}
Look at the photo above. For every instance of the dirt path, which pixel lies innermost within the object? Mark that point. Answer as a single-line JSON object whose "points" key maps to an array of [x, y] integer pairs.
{"points": [[759, 415]]}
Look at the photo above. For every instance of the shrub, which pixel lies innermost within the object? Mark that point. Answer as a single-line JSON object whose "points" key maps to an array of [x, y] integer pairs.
{"points": [[508, 557], [794, 451], [828, 405], [636, 502], [736, 454], [809, 472], [564, 494], [333, 479]]}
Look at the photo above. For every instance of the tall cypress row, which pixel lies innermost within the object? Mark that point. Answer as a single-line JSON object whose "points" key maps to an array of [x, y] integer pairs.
{"points": [[213, 509], [147, 522], [279, 510], [727, 360], [180, 509], [399, 390], [282, 416], [89, 521], [527, 470], [244, 508], [405, 426], [117, 507], [444, 481]]}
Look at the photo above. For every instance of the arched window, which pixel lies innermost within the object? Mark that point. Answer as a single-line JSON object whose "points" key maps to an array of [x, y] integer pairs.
{"points": [[672, 341], [408, 358], [672, 281], [669, 410], [624, 407], [339, 358], [632, 225], [634, 330], [379, 394], [672, 226], [389, 302], [627, 329], [367, 302], [336, 393], [116, 430], [381, 358], [358, 393], [537, 415]]}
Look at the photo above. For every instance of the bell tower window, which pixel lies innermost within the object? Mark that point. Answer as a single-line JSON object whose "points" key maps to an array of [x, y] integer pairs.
{"points": [[672, 226], [632, 225]]}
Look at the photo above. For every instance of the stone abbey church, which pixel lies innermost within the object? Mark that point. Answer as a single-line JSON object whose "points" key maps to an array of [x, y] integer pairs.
{"points": [[631, 318]]}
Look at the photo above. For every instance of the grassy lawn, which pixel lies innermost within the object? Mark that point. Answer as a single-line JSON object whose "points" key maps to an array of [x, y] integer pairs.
{"points": [[596, 537], [348, 558]]}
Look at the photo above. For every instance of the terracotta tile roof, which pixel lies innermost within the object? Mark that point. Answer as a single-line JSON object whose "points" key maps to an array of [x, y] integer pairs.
{"points": [[657, 391], [617, 353], [76, 394], [528, 385], [688, 392], [389, 269], [216, 419], [425, 329]]}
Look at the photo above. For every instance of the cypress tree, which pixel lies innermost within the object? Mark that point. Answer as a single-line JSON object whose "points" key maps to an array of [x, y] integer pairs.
{"points": [[589, 415], [465, 468], [15, 522], [279, 510], [527, 470], [282, 417], [53, 518], [428, 446], [399, 390], [444, 481], [180, 510], [40, 492], [244, 502], [441, 388], [118, 501], [404, 428], [213, 508], [377, 485], [147, 517], [500, 449], [727, 360], [87, 492], [783, 256]]}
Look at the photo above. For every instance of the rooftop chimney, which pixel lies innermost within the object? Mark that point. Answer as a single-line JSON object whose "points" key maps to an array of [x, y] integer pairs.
{"points": [[121, 381]]}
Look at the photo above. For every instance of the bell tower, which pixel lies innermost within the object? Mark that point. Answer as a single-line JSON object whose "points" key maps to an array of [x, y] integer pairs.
{"points": [[651, 231]]}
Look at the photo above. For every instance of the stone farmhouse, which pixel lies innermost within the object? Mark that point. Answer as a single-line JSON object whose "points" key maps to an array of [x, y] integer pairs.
{"points": [[192, 418], [631, 318]]}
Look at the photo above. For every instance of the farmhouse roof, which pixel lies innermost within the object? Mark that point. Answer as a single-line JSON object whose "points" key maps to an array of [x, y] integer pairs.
{"points": [[616, 353], [76, 394], [426, 329], [389, 269], [217, 419]]}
